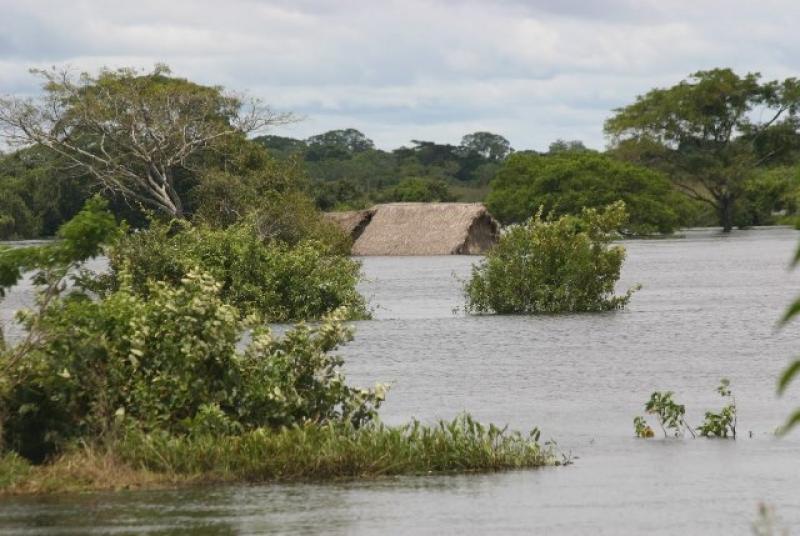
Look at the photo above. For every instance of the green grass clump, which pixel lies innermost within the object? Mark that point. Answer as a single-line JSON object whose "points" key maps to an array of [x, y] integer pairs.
{"points": [[315, 452], [339, 451]]}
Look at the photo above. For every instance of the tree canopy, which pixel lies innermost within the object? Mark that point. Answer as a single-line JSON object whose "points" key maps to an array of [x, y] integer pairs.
{"points": [[131, 132], [566, 182], [711, 132]]}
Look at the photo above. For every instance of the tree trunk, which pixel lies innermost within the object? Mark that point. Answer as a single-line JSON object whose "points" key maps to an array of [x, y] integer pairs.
{"points": [[725, 212]]}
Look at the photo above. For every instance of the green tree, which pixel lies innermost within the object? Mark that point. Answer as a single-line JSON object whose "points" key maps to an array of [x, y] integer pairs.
{"points": [[493, 147], [416, 189], [131, 132], [566, 182], [565, 146], [707, 132], [337, 144]]}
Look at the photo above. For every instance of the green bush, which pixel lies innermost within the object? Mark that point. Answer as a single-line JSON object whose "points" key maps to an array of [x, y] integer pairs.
{"points": [[167, 360], [552, 266], [278, 281]]}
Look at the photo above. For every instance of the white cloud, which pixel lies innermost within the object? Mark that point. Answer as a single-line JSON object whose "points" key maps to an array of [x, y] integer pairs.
{"points": [[432, 69]]}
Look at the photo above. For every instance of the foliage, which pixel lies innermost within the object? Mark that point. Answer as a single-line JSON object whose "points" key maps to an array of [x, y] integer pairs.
{"points": [[768, 193], [493, 147], [552, 265], [414, 189], [641, 428], [169, 361], [568, 181], [348, 172], [703, 134], [279, 281], [670, 414], [330, 451], [721, 424], [791, 371], [132, 132]]}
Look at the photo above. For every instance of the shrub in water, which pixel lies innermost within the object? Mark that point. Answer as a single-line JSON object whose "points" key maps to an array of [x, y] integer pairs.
{"points": [[552, 266], [278, 281]]}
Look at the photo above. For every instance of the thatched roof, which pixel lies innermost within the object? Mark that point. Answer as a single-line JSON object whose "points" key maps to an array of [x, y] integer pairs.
{"points": [[352, 222], [427, 229]]}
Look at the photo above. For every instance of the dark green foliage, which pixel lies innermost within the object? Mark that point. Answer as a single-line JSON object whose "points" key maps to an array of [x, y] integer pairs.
{"points": [[279, 281], [168, 360], [418, 190], [568, 181], [549, 265], [703, 133], [81, 238]]}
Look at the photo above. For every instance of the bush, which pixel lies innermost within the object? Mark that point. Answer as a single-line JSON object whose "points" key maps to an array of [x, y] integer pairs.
{"points": [[552, 266], [273, 279], [168, 361]]}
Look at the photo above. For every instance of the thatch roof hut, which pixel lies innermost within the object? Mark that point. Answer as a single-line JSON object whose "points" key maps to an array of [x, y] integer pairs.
{"points": [[352, 222], [427, 229]]}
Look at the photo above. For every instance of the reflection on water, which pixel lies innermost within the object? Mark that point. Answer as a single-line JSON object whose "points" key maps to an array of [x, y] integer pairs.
{"points": [[708, 309]]}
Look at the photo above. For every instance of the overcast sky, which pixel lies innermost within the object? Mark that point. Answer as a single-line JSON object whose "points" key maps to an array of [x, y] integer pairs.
{"points": [[533, 71]]}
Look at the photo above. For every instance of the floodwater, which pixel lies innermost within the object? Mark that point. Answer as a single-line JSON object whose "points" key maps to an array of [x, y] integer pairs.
{"points": [[708, 309]]}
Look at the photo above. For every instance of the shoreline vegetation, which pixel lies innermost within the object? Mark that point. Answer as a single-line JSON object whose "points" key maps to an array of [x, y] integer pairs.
{"points": [[134, 378], [301, 453]]}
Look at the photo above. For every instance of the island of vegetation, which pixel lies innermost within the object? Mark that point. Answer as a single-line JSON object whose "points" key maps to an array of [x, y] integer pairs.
{"points": [[137, 375]]}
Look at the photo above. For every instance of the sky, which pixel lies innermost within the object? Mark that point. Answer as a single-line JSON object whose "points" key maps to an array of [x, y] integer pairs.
{"points": [[534, 71]]}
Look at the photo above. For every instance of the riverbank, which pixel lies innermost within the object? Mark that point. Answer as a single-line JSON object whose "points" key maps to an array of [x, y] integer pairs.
{"points": [[308, 453]]}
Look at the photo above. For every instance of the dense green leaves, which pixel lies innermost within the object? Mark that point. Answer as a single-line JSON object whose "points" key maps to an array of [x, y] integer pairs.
{"points": [[568, 181], [703, 134], [549, 265], [271, 278]]}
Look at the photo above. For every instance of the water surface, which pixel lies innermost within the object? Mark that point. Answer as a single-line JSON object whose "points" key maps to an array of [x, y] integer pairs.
{"points": [[708, 308]]}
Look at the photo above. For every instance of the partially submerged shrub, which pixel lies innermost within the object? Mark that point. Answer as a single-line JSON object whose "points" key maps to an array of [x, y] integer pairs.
{"points": [[672, 416], [164, 361], [552, 266], [722, 424], [278, 281]]}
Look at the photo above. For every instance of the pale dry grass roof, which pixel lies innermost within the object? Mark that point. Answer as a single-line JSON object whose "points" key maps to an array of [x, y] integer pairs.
{"points": [[427, 229]]}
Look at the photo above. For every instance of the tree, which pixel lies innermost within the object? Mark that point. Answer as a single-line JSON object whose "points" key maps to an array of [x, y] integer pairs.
{"points": [[131, 132], [564, 146], [490, 146], [567, 182], [337, 144], [416, 189], [707, 132]]}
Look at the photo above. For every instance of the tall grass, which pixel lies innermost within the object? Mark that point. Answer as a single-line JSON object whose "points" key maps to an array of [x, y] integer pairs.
{"points": [[313, 452]]}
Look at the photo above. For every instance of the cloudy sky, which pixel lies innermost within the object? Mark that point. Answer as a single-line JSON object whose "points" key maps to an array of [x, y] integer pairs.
{"points": [[532, 70]]}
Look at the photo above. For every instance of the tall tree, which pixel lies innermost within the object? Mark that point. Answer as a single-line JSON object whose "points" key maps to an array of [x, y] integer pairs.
{"points": [[491, 146], [711, 132], [337, 144], [131, 131]]}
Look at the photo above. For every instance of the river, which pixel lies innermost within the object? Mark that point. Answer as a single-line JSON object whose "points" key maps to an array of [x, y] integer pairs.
{"points": [[708, 309]]}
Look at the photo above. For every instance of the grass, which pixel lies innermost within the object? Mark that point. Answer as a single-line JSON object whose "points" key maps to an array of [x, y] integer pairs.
{"points": [[313, 452]]}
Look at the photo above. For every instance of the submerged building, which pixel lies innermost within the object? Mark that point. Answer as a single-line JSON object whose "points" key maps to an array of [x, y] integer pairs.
{"points": [[420, 229]]}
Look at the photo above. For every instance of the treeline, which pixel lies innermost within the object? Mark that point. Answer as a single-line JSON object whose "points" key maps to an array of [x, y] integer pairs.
{"points": [[689, 155], [347, 171]]}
